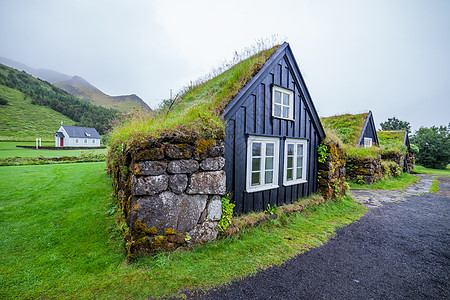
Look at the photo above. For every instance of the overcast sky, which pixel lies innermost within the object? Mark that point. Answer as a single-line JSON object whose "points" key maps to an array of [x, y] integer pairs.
{"points": [[391, 57]]}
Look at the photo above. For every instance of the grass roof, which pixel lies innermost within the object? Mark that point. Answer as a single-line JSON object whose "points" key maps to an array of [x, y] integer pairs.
{"points": [[391, 137], [347, 127], [197, 112]]}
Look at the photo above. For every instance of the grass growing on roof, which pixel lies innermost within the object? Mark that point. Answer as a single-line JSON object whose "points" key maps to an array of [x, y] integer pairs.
{"points": [[197, 111], [391, 142], [348, 127]]}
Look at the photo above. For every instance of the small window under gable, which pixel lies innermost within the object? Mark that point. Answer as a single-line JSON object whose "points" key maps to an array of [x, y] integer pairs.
{"points": [[282, 103], [262, 163], [367, 142], [295, 161]]}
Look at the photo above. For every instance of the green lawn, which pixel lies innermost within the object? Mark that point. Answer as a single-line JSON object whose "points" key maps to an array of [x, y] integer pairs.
{"points": [[58, 240], [9, 149], [422, 170]]}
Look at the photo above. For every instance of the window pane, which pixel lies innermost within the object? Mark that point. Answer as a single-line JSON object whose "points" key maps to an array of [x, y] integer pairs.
{"points": [[255, 178], [256, 149], [290, 149], [277, 112], [269, 163], [277, 97], [285, 99], [290, 162], [299, 161], [299, 173], [289, 174], [269, 149], [299, 149], [256, 164], [269, 177], [285, 112]]}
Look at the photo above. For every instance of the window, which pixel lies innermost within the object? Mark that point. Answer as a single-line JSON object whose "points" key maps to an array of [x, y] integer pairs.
{"points": [[295, 162], [282, 103], [85, 141], [367, 142], [93, 141], [76, 141], [262, 163]]}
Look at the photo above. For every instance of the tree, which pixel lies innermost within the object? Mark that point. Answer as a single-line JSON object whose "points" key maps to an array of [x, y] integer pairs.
{"points": [[395, 124], [434, 146]]}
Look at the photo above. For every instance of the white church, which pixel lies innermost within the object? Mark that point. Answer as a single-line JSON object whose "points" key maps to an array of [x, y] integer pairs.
{"points": [[73, 136]]}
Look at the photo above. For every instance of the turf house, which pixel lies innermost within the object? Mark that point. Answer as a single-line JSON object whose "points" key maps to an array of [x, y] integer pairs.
{"points": [[354, 130], [397, 140], [250, 135]]}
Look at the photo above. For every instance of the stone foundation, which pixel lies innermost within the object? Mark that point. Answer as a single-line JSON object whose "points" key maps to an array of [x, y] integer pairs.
{"points": [[332, 173], [170, 192], [368, 170]]}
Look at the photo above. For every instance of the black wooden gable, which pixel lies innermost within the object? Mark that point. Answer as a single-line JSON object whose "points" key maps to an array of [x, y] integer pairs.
{"points": [[368, 131], [250, 114], [291, 78]]}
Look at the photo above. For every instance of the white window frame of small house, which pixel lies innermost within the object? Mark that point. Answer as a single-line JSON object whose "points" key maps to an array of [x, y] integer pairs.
{"points": [[85, 141], [93, 141], [367, 142], [295, 159], [76, 141], [264, 157], [280, 106]]}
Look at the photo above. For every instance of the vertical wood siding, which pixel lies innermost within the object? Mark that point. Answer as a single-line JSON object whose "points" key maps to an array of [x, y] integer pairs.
{"points": [[254, 117]]}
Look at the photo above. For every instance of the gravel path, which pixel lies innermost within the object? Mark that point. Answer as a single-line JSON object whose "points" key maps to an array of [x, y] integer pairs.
{"points": [[396, 251]]}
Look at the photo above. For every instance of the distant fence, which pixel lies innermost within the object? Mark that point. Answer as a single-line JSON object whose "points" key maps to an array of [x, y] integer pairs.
{"points": [[61, 148]]}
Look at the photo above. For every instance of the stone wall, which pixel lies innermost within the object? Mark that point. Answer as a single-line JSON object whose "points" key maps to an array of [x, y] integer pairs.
{"points": [[170, 192], [332, 172], [407, 161], [368, 170]]}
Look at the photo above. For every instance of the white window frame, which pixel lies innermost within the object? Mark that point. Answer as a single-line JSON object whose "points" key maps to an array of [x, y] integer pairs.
{"points": [[262, 170], [76, 141], [367, 142], [295, 180], [290, 106]]}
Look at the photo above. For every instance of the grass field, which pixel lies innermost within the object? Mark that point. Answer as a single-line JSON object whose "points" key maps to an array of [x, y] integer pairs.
{"points": [[9, 149], [22, 121], [58, 240], [422, 170]]}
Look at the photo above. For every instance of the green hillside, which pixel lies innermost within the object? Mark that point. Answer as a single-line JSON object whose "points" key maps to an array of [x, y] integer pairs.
{"points": [[80, 88], [43, 93], [22, 121]]}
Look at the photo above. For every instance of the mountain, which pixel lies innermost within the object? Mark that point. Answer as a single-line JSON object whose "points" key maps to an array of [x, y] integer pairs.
{"points": [[42, 93], [47, 75], [81, 88]]}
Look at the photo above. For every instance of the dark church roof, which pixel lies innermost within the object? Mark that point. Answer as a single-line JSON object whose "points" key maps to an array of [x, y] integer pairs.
{"points": [[81, 132]]}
